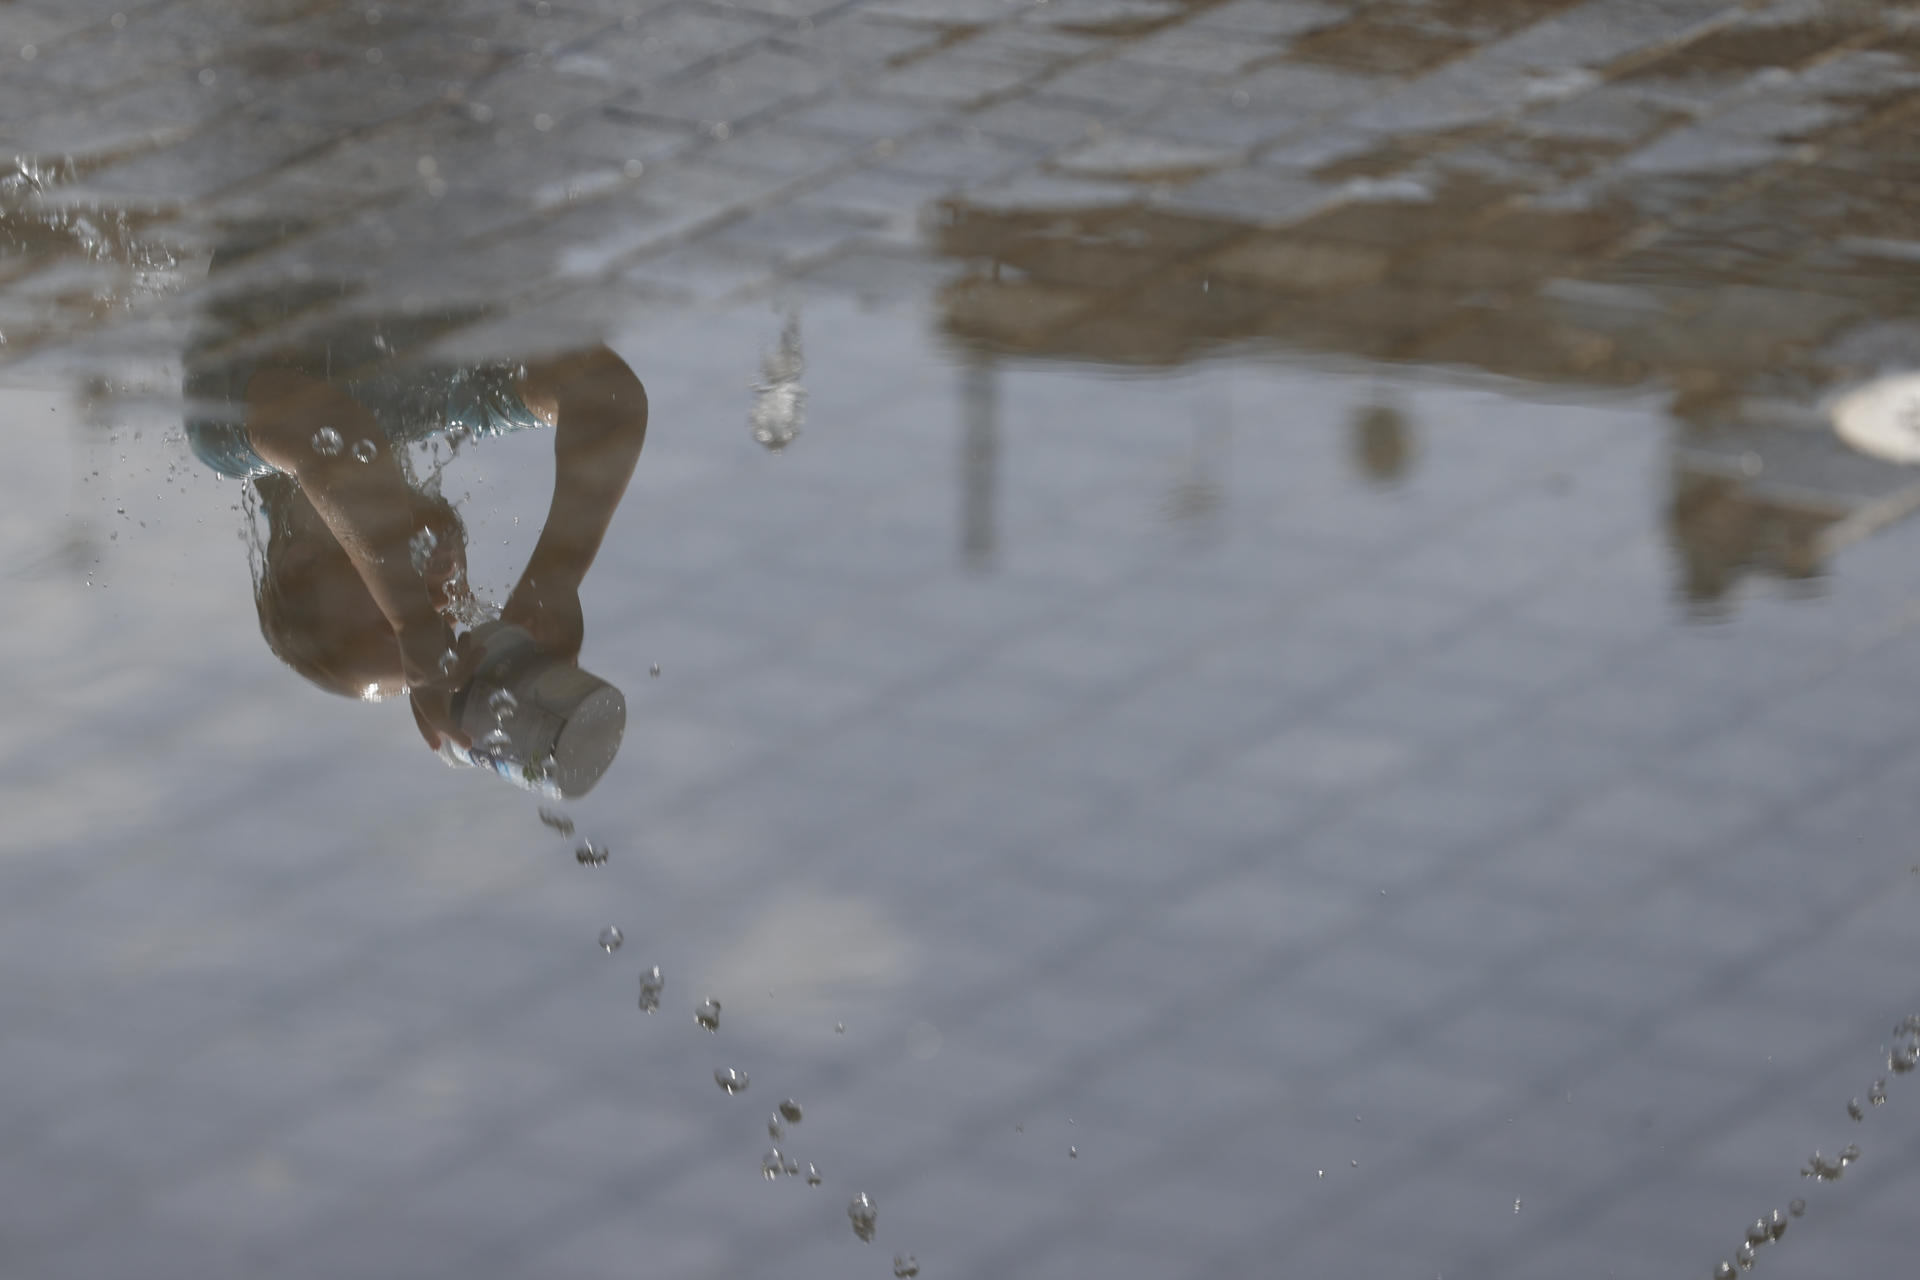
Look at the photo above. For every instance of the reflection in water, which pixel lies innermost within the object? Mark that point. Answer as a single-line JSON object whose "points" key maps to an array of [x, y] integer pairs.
{"points": [[1723, 530], [1382, 444], [979, 462], [1636, 284], [360, 582]]}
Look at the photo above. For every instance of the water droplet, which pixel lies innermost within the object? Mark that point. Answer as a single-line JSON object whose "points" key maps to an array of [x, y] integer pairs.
{"points": [[1796, 1207], [1877, 1094], [365, 451], [494, 744], [790, 1111], [1903, 1058], [813, 1176], [864, 1215], [1073, 1153], [1516, 1204], [611, 938], [770, 1164], [792, 1166], [1724, 1271], [651, 984], [1850, 1154], [327, 442], [1354, 1163], [708, 1015], [1823, 1169], [1759, 1233], [1855, 1110], [904, 1266], [1744, 1256], [776, 1127], [590, 854], [558, 821], [502, 703], [1776, 1225], [839, 1028], [654, 670], [730, 1080]]}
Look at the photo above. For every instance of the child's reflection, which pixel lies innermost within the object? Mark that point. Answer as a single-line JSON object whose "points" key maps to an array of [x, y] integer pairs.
{"points": [[362, 579]]}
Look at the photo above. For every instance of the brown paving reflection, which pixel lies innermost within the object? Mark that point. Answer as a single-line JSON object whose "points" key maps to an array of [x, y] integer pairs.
{"points": [[1745, 295]]}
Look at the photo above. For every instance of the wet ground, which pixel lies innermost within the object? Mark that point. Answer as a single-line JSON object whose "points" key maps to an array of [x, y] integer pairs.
{"points": [[1255, 638]]}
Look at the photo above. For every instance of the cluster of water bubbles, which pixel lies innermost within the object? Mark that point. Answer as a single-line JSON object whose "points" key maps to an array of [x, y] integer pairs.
{"points": [[778, 1162], [1903, 1055]]}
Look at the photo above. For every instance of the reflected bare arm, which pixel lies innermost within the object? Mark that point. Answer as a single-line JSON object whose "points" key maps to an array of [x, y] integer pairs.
{"points": [[366, 505], [599, 410]]}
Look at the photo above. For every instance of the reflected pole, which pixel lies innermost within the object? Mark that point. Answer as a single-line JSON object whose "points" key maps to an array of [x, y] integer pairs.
{"points": [[979, 461]]}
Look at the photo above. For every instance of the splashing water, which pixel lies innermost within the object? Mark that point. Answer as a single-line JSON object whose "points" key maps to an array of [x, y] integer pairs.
{"points": [[590, 854], [651, 984], [730, 1080], [904, 1266], [790, 1111], [708, 1015], [779, 401], [556, 820]]}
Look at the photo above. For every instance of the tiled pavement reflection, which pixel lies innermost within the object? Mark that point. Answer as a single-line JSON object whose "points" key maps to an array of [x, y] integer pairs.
{"points": [[1210, 759]]}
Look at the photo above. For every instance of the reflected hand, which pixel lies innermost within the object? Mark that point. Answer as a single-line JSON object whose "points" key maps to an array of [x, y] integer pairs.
{"points": [[548, 606], [435, 671]]}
